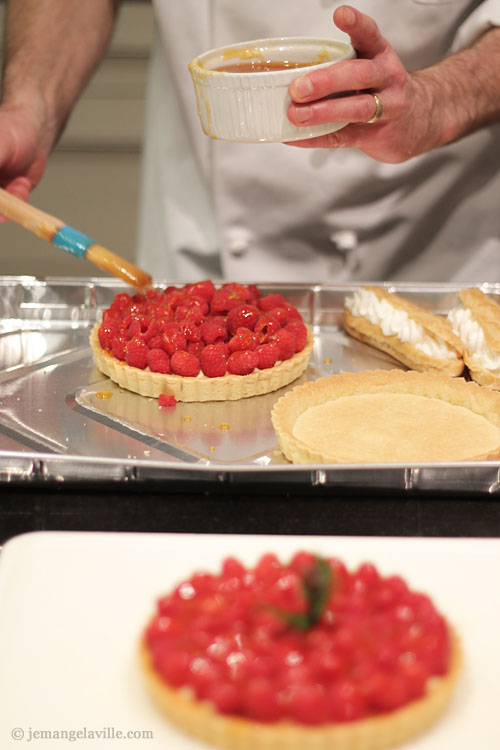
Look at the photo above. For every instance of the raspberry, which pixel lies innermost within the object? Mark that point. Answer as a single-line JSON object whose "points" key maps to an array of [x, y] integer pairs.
{"points": [[268, 355], [111, 316], [191, 331], [158, 361], [243, 339], [173, 339], [134, 329], [213, 329], [184, 363], [271, 300], [227, 297], [118, 346], [151, 332], [280, 313], [299, 330], [164, 400], [213, 361], [193, 309], [174, 298], [265, 327], [121, 302], [136, 353], [195, 347], [242, 363], [243, 316], [292, 313], [106, 333], [223, 347], [205, 289], [156, 342], [286, 343]]}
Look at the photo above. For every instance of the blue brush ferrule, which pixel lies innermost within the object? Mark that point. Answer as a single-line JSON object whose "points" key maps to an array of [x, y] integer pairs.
{"points": [[72, 241]]}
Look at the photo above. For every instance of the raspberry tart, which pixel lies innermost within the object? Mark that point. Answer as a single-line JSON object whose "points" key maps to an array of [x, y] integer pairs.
{"points": [[199, 343], [305, 654]]}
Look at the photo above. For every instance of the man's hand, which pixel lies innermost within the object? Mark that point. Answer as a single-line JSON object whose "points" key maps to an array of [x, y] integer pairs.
{"points": [[22, 155], [421, 110]]}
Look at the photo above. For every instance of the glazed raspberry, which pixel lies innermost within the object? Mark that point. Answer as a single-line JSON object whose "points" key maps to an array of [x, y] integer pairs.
{"points": [[265, 327], [173, 339], [204, 289], [243, 339], [111, 316], [242, 363], [174, 298], [193, 311], [121, 302], [136, 353], [106, 334], [213, 361], [271, 300], [156, 342], [184, 363], [118, 346], [195, 347], [299, 331], [285, 341], [280, 313], [191, 331], [268, 355], [223, 301], [158, 361], [292, 314], [164, 400], [243, 316], [134, 329], [213, 329]]}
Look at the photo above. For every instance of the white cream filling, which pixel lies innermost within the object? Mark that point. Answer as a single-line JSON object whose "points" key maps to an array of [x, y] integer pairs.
{"points": [[396, 322], [472, 335]]}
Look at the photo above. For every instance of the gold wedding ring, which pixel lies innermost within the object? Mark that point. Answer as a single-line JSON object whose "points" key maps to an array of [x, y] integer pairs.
{"points": [[378, 111]]}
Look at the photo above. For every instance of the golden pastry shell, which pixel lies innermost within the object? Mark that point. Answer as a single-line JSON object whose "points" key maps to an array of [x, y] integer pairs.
{"points": [[457, 391]]}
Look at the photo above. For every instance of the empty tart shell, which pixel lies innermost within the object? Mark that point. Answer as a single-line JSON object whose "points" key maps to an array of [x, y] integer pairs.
{"points": [[433, 325], [389, 730], [388, 416], [226, 388]]}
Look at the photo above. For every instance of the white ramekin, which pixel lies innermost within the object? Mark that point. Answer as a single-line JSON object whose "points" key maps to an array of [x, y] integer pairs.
{"points": [[251, 107]]}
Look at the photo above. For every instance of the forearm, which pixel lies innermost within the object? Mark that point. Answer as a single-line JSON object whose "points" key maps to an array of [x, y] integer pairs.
{"points": [[51, 49], [463, 91]]}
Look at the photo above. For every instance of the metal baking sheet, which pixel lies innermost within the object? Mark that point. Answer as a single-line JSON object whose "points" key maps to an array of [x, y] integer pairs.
{"points": [[60, 419]]}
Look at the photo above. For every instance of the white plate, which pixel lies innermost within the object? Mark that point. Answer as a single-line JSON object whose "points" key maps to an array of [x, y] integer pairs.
{"points": [[73, 605]]}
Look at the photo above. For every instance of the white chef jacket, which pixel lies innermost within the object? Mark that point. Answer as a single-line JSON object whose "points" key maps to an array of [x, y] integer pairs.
{"points": [[269, 212]]}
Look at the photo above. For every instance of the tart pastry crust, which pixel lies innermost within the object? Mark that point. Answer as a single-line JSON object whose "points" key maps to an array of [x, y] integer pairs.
{"points": [[380, 732], [382, 416], [226, 388], [486, 313], [437, 327]]}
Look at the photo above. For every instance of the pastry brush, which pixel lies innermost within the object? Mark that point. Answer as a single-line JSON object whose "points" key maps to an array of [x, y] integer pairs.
{"points": [[70, 240]]}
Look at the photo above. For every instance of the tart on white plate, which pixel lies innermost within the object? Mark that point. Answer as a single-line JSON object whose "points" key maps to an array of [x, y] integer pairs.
{"points": [[199, 343], [300, 655], [388, 416]]}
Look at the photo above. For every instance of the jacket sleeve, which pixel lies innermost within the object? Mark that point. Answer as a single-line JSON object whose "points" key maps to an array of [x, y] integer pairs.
{"points": [[484, 17]]}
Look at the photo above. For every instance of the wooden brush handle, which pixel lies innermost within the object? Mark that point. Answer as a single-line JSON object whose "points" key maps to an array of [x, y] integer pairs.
{"points": [[54, 230], [40, 223]]}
